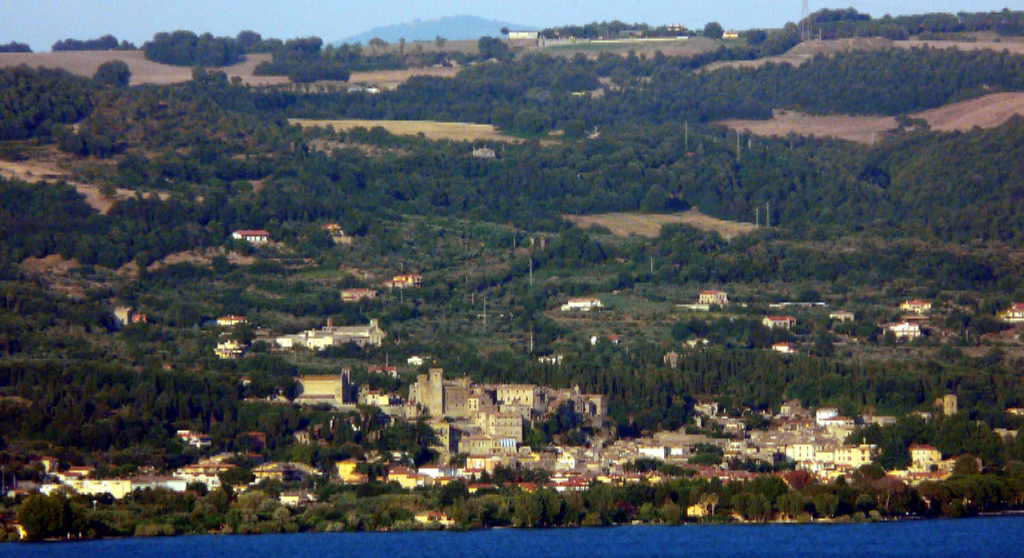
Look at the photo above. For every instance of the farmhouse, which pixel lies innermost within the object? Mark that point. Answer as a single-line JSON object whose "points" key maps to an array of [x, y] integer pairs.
{"points": [[784, 322], [125, 315], [252, 236], [331, 335], [713, 297], [195, 439], [730, 35], [430, 517], [1014, 314], [231, 320], [337, 234], [785, 348], [842, 316], [582, 304], [484, 153], [916, 306], [405, 281], [904, 330], [229, 349], [355, 295], [517, 35]]}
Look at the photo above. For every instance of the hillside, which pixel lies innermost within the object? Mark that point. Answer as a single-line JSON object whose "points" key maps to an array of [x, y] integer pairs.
{"points": [[453, 28]]}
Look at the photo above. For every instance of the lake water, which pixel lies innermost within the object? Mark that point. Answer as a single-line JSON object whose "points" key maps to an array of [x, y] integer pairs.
{"points": [[964, 538]]}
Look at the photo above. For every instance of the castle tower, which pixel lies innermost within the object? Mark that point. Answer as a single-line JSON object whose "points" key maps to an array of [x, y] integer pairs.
{"points": [[435, 392], [949, 405]]}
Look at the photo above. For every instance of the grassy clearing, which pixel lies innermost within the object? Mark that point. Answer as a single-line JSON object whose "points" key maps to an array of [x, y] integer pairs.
{"points": [[649, 225], [456, 131]]}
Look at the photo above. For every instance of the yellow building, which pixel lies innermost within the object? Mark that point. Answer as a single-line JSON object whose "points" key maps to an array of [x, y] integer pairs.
{"points": [[697, 510], [855, 456], [118, 488], [916, 306], [405, 477], [924, 458], [348, 473], [434, 517]]}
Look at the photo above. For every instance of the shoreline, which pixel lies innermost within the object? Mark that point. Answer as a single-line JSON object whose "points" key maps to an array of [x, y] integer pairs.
{"points": [[427, 528]]}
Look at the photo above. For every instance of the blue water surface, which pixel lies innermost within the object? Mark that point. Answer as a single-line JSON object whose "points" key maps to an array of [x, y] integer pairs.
{"points": [[964, 538]]}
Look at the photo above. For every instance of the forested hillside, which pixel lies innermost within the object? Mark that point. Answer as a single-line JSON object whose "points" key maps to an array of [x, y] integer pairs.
{"points": [[158, 242]]}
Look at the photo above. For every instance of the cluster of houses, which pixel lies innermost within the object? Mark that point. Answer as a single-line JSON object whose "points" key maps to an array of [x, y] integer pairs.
{"points": [[260, 237], [484, 423]]}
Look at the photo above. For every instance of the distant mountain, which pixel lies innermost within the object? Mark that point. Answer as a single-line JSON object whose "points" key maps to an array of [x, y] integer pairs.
{"points": [[453, 28]]}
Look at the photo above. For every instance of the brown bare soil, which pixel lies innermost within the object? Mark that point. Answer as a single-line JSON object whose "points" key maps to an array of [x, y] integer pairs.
{"points": [[54, 263], [669, 47], [201, 256], [988, 111], [390, 79], [805, 51], [458, 131], [649, 225], [48, 168], [809, 49], [85, 63], [1013, 47]]}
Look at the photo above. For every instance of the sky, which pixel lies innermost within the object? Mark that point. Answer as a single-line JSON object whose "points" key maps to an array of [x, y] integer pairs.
{"points": [[40, 23]]}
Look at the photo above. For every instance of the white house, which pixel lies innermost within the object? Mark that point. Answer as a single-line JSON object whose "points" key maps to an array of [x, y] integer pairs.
{"points": [[252, 236], [522, 35], [824, 414], [415, 360], [904, 330], [582, 304], [784, 322], [785, 348], [720, 298]]}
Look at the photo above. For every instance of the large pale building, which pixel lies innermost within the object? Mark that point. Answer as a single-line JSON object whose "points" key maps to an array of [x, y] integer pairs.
{"points": [[331, 335], [333, 389]]}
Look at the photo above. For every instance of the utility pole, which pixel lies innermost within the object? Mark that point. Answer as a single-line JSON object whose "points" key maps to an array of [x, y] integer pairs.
{"points": [[531, 271], [485, 311], [652, 265], [757, 216], [531, 340], [768, 214], [686, 135]]}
